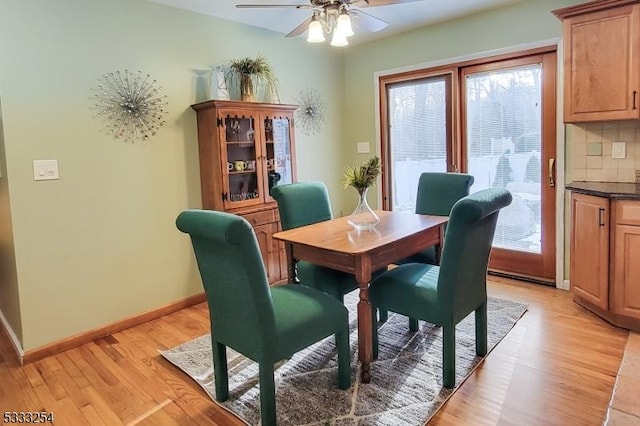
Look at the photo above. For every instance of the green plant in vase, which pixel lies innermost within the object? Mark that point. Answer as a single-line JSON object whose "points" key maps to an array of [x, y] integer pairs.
{"points": [[361, 178], [251, 73]]}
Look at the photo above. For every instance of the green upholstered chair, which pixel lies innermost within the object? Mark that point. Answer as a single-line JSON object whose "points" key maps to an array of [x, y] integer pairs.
{"points": [[305, 203], [266, 324], [437, 193], [446, 294]]}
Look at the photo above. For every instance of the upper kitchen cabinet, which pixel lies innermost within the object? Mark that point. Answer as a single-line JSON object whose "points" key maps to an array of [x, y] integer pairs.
{"points": [[601, 74]]}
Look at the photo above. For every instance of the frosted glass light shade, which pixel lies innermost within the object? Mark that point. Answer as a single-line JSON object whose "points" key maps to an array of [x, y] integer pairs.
{"points": [[344, 24], [339, 39], [315, 32]]}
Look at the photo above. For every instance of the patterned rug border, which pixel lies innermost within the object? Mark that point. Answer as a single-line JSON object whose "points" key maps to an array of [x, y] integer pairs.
{"points": [[356, 392]]}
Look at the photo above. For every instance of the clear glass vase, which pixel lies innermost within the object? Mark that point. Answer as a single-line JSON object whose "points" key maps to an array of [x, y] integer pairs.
{"points": [[363, 217]]}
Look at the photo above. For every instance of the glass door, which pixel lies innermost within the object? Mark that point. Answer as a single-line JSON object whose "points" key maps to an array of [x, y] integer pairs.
{"points": [[494, 119], [509, 142], [277, 136], [240, 170], [420, 136]]}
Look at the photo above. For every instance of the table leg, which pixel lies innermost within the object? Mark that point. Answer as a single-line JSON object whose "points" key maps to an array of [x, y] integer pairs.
{"points": [[365, 324], [438, 247], [291, 263]]}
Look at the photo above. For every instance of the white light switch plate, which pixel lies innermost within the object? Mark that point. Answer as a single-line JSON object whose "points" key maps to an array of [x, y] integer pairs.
{"points": [[45, 169], [363, 147], [618, 150]]}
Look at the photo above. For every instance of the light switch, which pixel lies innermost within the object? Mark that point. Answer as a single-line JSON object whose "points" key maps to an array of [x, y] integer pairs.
{"points": [[45, 169], [618, 150], [363, 147]]}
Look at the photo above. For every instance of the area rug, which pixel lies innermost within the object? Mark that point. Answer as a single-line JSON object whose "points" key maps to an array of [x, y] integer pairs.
{"points": [[406, 385]]}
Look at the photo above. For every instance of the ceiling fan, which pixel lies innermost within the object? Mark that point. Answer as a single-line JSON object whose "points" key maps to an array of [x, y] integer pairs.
{"points": [[335, 17]]}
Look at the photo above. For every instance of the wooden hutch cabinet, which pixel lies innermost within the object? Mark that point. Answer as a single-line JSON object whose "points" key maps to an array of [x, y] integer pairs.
{"points": [[601, 60], [245, 149]]}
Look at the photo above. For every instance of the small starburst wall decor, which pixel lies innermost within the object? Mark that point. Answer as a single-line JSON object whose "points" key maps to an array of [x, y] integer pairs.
{"points": [[131, 104], [311, 112]]}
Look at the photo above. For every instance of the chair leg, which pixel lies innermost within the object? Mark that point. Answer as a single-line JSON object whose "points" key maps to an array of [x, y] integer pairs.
{"points": [[481, 330], [449, 355], [220, 371], [267, 394], [374, 332], [413, 324], [344, 359], [383, 315]]}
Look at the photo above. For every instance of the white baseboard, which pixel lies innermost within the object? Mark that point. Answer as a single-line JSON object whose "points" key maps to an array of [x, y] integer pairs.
{"points": [[17, 347], [565, 285]]}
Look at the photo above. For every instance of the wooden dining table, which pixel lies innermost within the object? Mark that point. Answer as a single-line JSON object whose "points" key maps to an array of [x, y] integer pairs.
{"points": [[338, 245]]}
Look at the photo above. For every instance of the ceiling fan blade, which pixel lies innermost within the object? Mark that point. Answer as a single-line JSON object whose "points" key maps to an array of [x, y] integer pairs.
{"points": [[373, 3], [300, 28], [366, 21], [251, 6]]}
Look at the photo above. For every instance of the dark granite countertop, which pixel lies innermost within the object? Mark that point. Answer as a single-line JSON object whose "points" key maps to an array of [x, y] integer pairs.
{"points": [[615, 190]]}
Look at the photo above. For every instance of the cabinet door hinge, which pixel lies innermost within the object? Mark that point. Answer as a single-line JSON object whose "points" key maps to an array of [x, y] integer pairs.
{"points": [[220, 122]]}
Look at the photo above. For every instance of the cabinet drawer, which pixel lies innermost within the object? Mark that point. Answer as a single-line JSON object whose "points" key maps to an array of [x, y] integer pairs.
{"points": [[627, 212], [261, 218]]}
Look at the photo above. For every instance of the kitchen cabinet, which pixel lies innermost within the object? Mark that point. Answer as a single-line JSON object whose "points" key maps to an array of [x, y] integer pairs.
{"points": [[590, 249], [605, 254], [625, 296], [601, 60], [245, 149]]}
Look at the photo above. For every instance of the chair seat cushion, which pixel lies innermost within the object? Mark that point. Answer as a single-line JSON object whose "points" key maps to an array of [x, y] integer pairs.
{"points": [[331, 281], [409, 289], [304, 316], [425, 256], [325, 279]]}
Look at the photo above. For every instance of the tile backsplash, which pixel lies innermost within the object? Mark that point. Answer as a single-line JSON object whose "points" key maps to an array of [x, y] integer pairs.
{"points": [[589, 151]]}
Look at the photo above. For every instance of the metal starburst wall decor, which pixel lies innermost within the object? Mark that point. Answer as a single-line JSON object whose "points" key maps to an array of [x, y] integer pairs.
{"points": [[311, 112], [131, 105]]}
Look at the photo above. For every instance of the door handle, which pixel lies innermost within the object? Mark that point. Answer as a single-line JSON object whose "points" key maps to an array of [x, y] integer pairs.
{"points": [[552, 163], [601, 217], [635, 95]]}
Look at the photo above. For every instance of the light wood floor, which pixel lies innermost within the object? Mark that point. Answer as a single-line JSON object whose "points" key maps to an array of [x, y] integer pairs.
{"points": [[556, 367]]}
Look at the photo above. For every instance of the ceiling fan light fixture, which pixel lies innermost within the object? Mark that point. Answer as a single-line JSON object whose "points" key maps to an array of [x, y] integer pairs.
{"points": [[316, 35], [339, 38], [344, 23]]}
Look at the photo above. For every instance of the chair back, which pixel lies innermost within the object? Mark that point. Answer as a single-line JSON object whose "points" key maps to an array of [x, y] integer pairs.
{"points": [[467, 246], [438, 192], [233, 277], [302, 203]]}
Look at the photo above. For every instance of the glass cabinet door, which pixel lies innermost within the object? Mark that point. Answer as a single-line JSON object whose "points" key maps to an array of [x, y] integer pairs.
{"points": [[278, 151], [240, 173]]}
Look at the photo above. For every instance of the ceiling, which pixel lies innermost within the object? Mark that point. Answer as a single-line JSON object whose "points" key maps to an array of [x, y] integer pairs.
{"points": [[401, 17]]}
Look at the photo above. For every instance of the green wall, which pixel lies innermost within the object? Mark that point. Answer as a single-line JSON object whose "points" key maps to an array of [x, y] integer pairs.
{"points": [[524, 22], [100, 244]]}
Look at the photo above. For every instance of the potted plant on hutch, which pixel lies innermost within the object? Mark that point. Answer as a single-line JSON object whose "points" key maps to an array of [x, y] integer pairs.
{"points": [[251, 74]]}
